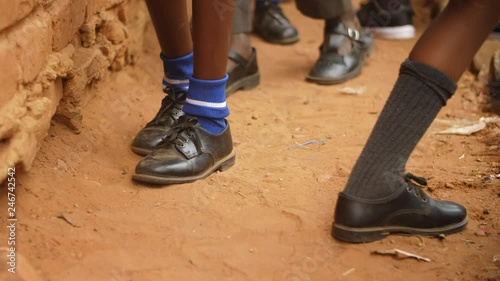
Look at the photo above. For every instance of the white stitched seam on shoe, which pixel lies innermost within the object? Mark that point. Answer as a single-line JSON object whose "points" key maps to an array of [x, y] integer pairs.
{"points": [[206, 104]]}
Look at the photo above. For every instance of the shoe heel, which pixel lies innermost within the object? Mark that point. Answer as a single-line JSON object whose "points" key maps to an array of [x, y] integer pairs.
{"points": [[247, 83], [227, 164], [251, 82], [357, 236]]}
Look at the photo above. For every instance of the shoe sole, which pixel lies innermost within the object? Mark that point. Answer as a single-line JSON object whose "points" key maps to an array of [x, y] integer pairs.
{"points": [[393, 33], [371, 234], [284, 41], [222, 165], [331, 81], [246, 83]]}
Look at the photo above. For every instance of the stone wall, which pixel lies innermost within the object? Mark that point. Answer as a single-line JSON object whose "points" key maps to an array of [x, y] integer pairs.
{"points": [[51, 51]]}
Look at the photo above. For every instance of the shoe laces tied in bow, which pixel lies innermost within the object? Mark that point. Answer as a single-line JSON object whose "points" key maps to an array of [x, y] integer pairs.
{"points": [[417, 190], [181, 132]]}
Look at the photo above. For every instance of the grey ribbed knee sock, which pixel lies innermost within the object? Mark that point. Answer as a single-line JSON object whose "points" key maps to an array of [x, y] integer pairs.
{"points": [[415, 100]]}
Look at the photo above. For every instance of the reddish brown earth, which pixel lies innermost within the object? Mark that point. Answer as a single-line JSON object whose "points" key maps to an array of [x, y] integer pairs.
{"points": [[267, 218]]}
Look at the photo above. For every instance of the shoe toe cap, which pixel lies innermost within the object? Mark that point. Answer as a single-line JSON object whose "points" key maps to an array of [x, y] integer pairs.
{"points": [[148, 138], [170, 163], [164, 168], [333, 68], [287, 32], [279, 33], [451, 212]]}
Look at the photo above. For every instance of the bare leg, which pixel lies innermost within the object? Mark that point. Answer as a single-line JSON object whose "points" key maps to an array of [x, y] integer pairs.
{"points": [[455, 36], [242, 45], [438, 59], [378, 190], [242, 26], [212, 20], [203, 133], [171, 23]]}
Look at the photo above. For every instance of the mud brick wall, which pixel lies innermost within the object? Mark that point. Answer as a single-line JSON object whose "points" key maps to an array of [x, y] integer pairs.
{"points": [[51, 52]]}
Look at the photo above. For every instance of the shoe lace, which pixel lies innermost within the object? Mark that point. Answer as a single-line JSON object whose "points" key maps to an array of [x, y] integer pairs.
{"points": [[181, 131], [417, 190], [170, 106]]}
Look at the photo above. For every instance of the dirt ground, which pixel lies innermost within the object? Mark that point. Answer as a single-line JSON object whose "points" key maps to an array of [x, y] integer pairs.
{"points": [[267, 218]]}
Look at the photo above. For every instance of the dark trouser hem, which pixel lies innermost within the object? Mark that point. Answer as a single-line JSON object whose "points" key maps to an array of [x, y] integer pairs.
{"points": [[324, 9]]}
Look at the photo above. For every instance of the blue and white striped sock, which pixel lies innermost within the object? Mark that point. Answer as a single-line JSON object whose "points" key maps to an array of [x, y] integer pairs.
{"points": [[206, 100], [177, 72]]}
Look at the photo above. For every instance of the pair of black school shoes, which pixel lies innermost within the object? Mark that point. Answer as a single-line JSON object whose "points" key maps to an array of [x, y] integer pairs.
{"points": [[176, 148]]}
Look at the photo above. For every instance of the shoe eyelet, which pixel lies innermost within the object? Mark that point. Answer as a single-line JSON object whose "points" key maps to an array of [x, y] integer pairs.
{"points": [[408, 189], [424, 200], [353, 34], [183, 145]]}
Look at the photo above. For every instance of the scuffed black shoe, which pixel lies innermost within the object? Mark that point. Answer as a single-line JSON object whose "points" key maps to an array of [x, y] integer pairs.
{"points": [[154, 131], [394, 22], [245, 75], [409, 210], [271, 24], [189, 153], [334, 68]]}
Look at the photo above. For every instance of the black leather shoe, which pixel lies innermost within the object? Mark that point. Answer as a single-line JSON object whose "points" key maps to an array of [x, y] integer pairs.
{"points": [[394, 22], [155, 130], [408, 210], [333, 68], [245, 75], [189, 153], [272, 25]]}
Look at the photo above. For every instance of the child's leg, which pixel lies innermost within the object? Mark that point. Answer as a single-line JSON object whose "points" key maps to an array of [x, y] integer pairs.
{"points": [[242, 66], [378, 184], [212, 21], [199, 143], [450, 43], [171, 23], [242, 26], [206, 100]]}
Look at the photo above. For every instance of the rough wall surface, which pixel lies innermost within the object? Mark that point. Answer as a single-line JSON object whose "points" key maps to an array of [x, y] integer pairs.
{"points": [[51, 51]]}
